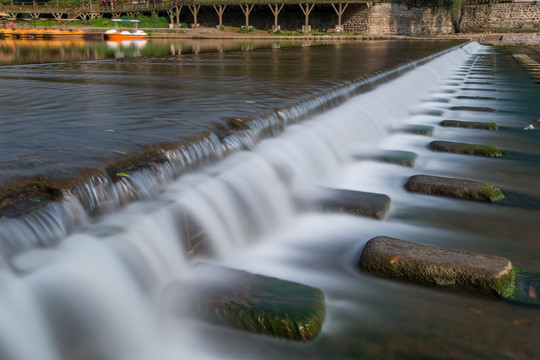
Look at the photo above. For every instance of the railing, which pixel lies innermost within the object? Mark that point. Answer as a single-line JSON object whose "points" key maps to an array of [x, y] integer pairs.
{"points": [[158, 3], [75, 7], [76, 11]]}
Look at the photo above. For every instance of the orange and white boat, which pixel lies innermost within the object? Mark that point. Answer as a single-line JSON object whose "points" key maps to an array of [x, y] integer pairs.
{"points": [[131, 34]]}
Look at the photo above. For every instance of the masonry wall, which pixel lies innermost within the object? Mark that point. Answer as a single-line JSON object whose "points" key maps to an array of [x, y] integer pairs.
{"points": [[402, 19], [399, 19], [501, 16]]}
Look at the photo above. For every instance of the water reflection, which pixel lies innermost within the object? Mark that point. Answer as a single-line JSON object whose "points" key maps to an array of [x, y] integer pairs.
{"points": [[126, 48], [26, 51]]}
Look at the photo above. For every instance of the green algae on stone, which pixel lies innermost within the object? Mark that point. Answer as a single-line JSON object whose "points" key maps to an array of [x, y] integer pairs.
{"points": [[428, 265], [451, 187], [463, 148], [26, 194], [470, 124], [354, 202], [260, 304], [397, 157]]}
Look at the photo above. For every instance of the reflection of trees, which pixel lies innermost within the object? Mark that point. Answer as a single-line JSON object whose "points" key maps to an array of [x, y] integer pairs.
{"points": [[39, 51], [26, 51]]}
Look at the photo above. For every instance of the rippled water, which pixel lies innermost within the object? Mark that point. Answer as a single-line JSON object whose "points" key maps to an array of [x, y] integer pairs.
{"points": [[64, 115]]}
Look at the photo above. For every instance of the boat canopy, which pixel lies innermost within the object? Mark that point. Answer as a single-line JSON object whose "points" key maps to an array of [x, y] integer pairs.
{"points": [[123, 20]]}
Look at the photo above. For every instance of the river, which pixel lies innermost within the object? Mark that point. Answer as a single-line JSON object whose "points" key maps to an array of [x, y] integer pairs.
{"points": [[85, 278]]}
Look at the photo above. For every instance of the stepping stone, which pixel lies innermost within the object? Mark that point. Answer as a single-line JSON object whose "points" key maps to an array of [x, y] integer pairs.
{"points": [[463, 148], [479, 83], [360, 203], [254, 303], [482, 72], [457, 188], [473, 108], [416, 129], [477, 89], [476, 98], [428, 265], [398, 157], [481, 78], [470, 124]]}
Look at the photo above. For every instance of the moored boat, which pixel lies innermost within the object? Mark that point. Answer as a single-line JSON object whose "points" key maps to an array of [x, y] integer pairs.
{"points": [[9, 33], [115, 34]]}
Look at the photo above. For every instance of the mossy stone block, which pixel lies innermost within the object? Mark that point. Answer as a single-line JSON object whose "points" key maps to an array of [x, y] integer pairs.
{"points": [[470, 124], [479, 83], [425, 130], [461, 97], [354, 202], [428, 265], [260, 304], [473, 108], [397, 157], [463, 148], [451, 187]]}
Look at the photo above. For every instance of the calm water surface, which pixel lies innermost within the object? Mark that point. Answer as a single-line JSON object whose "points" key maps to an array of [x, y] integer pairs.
{"points": [[85, 102]]}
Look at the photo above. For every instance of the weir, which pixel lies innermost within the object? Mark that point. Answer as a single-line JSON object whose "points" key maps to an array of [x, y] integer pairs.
{"points": [[85, 278]]}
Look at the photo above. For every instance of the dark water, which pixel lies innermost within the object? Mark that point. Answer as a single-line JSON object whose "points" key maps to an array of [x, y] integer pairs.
{"points": [[78, 106], [94, 291]]}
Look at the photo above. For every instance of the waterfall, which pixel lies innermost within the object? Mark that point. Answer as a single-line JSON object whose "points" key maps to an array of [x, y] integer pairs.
{"points": [[90, 287]]}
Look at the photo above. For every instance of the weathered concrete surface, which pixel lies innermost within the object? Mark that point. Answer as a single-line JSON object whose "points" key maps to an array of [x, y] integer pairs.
{"points": [[470, 124], [422, 264], [257, 303], [451, 187], [463, 148], [354, 202]]}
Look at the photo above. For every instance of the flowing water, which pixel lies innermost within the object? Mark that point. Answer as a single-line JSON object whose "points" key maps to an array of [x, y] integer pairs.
{"points": [[92, 287]]}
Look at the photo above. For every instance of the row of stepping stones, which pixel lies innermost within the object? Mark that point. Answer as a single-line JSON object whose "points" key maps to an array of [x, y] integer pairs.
{"points": [[295, 311], [483, 274]]}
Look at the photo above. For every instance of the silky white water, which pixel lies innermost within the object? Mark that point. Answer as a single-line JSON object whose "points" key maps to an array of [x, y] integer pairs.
{"points": [[96, 293]]}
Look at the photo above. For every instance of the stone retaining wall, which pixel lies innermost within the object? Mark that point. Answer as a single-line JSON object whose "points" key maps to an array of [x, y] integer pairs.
{"points": [[501, 16], [403, 19], [399, 19]]}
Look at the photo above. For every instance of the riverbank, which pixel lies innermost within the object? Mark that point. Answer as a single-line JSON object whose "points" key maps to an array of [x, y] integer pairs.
{"points": [[485, 38]]}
